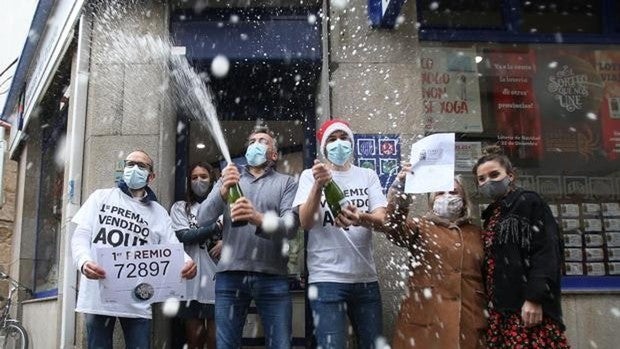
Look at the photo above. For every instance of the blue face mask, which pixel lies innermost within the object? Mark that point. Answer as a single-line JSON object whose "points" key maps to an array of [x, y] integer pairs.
{"points": [[135, 177], [256, 154], [339, 151]]}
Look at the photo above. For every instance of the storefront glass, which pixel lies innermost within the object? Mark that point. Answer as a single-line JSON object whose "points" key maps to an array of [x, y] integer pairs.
{"points": [[553, 107], [50, 206]]}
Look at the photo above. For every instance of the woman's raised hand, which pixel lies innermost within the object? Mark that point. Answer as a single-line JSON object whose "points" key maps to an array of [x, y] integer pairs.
{"points": [[406, 168]]}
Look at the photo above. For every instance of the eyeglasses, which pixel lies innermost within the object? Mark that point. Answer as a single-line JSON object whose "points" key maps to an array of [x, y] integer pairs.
{"points": [[142, 165]]}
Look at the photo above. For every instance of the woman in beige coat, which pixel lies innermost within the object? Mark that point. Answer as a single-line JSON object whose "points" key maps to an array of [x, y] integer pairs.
{"points": [[445, 302]]}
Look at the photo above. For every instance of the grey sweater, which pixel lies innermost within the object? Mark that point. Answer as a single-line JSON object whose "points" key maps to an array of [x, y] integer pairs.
{"points": [[248, 248]]}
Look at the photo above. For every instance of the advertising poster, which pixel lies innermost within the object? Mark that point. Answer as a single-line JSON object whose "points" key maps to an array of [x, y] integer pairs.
{"points": [[381, 153], [450, 90], [553, 107], [608, 67], [569, 91], [465, 155], [517, 116]]}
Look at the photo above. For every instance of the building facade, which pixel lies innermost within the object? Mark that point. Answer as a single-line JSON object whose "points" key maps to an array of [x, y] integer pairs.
{"points": [[91, 87]]}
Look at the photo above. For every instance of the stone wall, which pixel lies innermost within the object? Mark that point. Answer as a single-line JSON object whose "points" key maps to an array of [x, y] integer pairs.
{"points": [[374, 78], [7, 218], [128, 110]]}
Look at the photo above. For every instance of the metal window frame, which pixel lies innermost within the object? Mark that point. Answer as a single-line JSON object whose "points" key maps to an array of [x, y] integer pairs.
{"points": [[508, 33]]}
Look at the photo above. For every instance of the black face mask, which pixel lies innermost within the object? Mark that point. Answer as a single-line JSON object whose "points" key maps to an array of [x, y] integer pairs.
{"points": [[495, 189]]}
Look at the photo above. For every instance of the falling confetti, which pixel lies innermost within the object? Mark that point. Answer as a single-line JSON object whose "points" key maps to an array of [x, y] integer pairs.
{"points": [[171, 307], [220, 66]]}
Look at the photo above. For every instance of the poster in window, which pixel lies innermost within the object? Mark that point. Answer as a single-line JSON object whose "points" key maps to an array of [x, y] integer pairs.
{"points": [[601, 186], [576, 186], [450, 90], [608, 67], [510, 74], [527, 182], [549, 186], [569, 91], [465, 155]]}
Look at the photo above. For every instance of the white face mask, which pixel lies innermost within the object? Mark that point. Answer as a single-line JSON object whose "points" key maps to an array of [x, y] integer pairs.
{"points": [[135, 177], [448, 206]]}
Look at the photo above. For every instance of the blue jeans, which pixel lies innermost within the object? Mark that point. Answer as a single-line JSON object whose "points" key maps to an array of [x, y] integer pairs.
{"points": [[234, 290], [100, 330], [334, 301]]}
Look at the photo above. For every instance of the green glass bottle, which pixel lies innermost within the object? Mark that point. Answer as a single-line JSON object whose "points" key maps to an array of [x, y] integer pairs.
{"points": [[235, 193], [335, 197]]}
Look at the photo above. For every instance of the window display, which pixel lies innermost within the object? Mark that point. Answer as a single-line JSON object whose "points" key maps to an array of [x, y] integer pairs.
{"points": [[554, 111]]}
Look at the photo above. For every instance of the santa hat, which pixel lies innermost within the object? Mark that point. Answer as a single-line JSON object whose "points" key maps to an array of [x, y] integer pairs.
{"points": [[331, 126]]}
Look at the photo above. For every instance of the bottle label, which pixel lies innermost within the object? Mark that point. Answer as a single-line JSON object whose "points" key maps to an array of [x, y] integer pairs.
{"points": [[343, 203]]}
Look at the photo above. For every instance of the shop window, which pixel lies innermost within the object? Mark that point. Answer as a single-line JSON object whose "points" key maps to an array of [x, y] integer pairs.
{"points": [[460, 14], [566, 16], [555, 109], [50, 204]]}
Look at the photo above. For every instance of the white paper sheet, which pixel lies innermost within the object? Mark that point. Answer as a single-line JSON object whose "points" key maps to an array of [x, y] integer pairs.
{"points": [[149, 273], [432, 162]]}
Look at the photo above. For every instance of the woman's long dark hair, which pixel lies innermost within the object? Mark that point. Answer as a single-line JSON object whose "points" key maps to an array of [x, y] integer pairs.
{"points": [[190, 197]]}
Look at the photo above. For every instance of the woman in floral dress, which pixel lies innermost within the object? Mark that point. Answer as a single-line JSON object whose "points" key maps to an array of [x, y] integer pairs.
{"points": [[522, 264]]}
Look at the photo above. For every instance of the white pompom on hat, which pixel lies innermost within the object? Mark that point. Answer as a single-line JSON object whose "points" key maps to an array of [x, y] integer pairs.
{"points": [[331, 126]]}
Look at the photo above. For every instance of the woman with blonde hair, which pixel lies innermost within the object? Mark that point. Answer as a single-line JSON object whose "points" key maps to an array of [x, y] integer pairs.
{"points": [[445, 302]]}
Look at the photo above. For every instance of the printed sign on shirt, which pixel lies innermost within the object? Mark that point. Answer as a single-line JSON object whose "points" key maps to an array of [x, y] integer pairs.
{"points": [[142, 274]]}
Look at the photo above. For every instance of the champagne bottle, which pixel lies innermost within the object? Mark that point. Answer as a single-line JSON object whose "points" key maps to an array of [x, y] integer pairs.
{"points": [[235, 193], [335, 197]]}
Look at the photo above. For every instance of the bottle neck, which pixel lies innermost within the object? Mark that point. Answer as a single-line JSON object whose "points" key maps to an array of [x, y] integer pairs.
{"points": [[236, 188]]}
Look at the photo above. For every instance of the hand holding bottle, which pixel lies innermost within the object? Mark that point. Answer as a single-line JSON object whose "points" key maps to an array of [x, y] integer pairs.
{"points": [[333, 194], [321, 173], [244, 211], [349, 215], [230, 177]]}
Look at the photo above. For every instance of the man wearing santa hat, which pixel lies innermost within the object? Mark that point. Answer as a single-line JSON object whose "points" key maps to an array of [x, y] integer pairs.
{"points": [[342, 272]]}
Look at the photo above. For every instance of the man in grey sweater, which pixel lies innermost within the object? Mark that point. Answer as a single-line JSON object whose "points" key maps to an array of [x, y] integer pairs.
{"points": [[253, 263]]}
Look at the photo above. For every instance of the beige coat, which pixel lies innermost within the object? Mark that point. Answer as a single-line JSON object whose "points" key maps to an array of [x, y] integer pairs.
{"points": [[445, 302]]}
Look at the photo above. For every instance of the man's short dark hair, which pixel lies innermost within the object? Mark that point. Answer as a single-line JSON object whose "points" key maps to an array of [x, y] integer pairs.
{"points": [[151, 162]]}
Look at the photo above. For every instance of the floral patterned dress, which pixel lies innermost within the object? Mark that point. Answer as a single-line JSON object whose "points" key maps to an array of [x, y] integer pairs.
{"points": [[506, 329]]}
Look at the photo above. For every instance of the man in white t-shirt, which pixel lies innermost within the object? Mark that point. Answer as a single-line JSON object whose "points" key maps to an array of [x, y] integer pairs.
{"points": [[341, 266], [137, 219]]}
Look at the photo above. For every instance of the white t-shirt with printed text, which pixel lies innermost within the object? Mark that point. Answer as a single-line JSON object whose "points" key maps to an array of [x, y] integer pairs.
{"points": [[336, 254], [202, 287], [114, 219]]}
